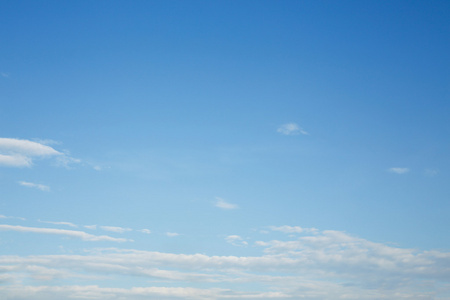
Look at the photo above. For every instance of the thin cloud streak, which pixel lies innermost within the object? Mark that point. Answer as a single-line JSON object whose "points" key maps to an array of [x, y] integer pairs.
{"points": [[293, 229], [115, 229], [44, 188], [221, 203], [72, 233], [398, 170], [59, 223]]}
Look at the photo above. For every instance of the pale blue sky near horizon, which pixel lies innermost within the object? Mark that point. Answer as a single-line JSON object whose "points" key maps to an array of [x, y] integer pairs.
{"points": [[218, 125]]}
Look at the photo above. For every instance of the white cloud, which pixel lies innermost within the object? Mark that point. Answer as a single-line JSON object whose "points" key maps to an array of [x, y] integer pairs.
{"points": [[20, 153], [236, 240], [59, 223], [93, 227], [172, 234], [115, 229], [72, 233], [291, 129], [135, 293], [9, 217], [292, 229], [399, 170], [318, 265], [220, 203], [146, 231], [38, 186]]}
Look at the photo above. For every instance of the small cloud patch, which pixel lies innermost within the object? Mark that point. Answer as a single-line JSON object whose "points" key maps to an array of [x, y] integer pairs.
{"points": [[38, 186], [291, 129], [220, 203], [398, 170]]}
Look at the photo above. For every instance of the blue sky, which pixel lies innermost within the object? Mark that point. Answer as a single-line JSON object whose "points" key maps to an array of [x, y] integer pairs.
{"points": [[224, 149]]}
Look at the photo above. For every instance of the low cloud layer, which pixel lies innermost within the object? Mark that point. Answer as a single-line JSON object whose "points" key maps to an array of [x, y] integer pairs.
{"points": [[312, 265]]}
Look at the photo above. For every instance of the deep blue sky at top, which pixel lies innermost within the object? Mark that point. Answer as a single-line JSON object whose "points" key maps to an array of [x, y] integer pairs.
{"points": [[201, 86]]}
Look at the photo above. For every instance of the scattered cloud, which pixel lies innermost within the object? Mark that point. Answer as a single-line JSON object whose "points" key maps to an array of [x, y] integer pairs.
{"points": [[220, 203], [236, 240], [291, 129], [399, 170], [72, 233], [93, 227], [21, 153], [58, 223], [146, 231], [38, 186], [115, 229], [172, 234]]}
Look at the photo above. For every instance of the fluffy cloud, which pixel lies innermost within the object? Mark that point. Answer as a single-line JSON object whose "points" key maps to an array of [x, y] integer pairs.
{"points": [[398, 170], [72, 233], [291, 129], [20, 153], [38, 186], [220, 203]]}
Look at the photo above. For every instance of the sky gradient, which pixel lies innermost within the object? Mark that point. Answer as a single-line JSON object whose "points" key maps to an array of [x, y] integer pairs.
{"points": [[224, 150]]}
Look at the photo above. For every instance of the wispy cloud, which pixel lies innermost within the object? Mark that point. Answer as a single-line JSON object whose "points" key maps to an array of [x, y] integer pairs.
{"points": [[398, 170], [172, 234], [72, 233], [115, 229], [291, 129], [293, 229], [220, 203], [93, 227], [21, 153], [431, 172], [10, 217], [236, 240], [4, 74], [146, 231], [58, 223], [38, 186]]}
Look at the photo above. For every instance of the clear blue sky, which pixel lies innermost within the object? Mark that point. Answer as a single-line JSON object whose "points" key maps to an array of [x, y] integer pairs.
{"points": [[217, 149]]}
